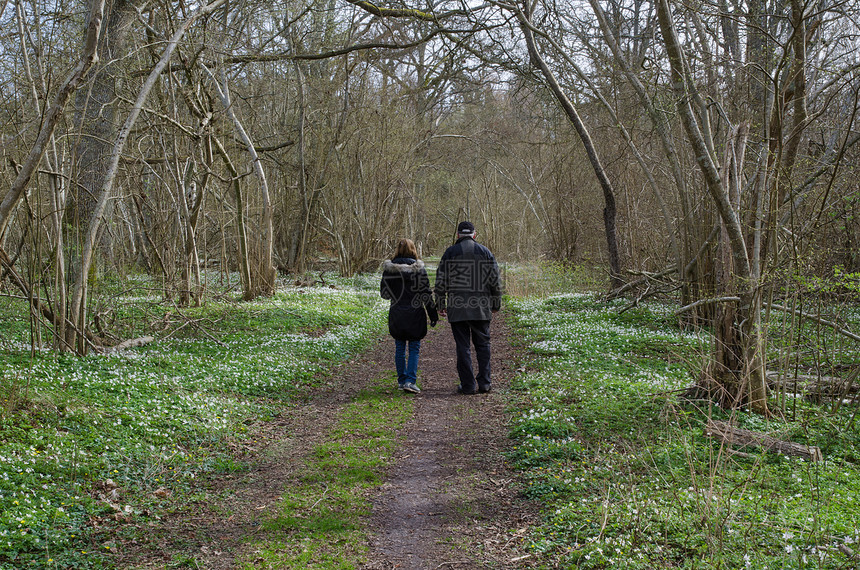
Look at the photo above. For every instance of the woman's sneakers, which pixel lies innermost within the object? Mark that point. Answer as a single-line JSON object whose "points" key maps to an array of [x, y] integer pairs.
{"points": [[411, 388]]}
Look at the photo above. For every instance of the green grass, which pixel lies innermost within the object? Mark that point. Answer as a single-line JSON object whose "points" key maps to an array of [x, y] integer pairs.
{"points": [[156, 416], [321, 523], [624, 472], [548, 277]]}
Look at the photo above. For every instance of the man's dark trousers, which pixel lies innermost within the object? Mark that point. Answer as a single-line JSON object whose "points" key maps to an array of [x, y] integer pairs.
{"points": [[479, 331]]}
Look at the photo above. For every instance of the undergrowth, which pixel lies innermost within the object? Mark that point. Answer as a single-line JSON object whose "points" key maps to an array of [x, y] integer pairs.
{"points": [[625, 473]]}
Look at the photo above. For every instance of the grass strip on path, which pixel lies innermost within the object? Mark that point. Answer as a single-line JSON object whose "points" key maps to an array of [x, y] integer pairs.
{"points": [[321, 520]]}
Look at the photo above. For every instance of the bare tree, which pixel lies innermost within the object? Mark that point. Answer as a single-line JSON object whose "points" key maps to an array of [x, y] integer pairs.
{"points": [[19, 187], [78, 301], [265, 282]]}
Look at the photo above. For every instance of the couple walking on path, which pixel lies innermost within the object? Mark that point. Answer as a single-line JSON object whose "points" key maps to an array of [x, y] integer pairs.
{"points": [[467, 291]]}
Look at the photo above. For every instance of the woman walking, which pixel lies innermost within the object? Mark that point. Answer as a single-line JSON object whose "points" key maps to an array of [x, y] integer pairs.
{"points": [[405, 283]]}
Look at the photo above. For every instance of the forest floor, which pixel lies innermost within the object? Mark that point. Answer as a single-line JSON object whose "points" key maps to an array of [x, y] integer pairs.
{"points": [[449, 500], [270, 449]]}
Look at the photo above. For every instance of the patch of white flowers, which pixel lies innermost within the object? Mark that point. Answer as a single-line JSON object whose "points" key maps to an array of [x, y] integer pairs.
{"points": [[623, 507], [141, 417]]}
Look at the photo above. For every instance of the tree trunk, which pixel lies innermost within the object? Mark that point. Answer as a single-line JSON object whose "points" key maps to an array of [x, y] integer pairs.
{"points": [[78, 309], [53, 114], [56, 183], [266, 272], [95, 115], [190, 264], [737, 367], [296, 259], [242, 235]]}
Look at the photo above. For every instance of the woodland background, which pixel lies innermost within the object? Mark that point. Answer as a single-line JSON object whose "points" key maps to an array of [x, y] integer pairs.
{"points": [[705, 149]]}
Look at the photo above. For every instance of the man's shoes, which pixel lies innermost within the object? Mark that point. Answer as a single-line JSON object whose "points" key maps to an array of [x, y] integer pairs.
{"points": [[465, 392], [484, 389], [411, 388]]}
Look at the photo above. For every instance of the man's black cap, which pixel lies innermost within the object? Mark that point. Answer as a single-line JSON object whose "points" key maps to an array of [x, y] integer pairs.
{"points": [[465, 228]]}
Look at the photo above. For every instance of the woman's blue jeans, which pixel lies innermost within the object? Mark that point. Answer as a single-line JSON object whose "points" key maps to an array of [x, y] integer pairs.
{"points": [[407, 369]]}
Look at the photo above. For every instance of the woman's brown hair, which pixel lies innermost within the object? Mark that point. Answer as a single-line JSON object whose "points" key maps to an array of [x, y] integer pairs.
{"points": [[406, 248]]}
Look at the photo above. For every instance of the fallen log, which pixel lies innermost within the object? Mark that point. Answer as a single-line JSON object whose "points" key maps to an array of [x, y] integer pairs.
{"points": [[131, 343], [730, 435], [816, 388], [816, 318], [778, 378]]}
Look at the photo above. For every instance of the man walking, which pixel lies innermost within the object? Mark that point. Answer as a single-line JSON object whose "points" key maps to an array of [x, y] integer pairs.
{"points": [[468, 291]]}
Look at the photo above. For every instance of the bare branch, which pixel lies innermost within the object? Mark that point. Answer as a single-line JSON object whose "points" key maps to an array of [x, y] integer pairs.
{"points": [[701, 302], [54, 113], [404, 12], [816, 318]]}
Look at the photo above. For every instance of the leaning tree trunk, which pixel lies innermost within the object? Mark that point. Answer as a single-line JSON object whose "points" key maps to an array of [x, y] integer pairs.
{"points": [[244, 258], [609, 211], [659, 123], [265, 270]]}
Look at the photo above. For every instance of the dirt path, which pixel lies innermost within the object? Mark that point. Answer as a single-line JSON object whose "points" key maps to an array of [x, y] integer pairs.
{"points": [[449, 500]]}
